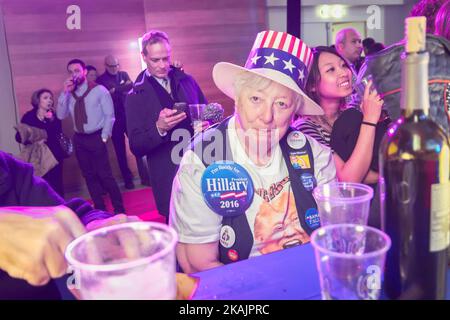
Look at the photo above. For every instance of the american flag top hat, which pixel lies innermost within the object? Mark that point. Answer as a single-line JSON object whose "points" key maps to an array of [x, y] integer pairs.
{"points": [[277, 56]]}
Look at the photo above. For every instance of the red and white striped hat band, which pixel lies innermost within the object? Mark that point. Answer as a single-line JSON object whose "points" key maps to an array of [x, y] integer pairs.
{"points": [[279, 57], [282, 52], [285, 42]]}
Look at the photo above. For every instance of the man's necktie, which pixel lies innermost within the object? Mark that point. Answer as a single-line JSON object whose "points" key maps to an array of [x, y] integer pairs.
{"points": [[166, 85]]}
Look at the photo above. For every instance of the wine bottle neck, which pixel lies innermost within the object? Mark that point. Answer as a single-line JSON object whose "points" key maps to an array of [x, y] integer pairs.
{"points": [[414, 94]]}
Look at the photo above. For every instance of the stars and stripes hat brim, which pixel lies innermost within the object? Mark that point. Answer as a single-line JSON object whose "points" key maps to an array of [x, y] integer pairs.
{"points": [[277, 56]]}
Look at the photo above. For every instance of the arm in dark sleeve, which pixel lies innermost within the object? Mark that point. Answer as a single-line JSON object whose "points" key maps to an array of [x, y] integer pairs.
{"points": [[345, 133], [18, 138], [127, 83], [30, 190], [34, 191], [85, 212], [25, 120], [143, 135], [198, 90]]}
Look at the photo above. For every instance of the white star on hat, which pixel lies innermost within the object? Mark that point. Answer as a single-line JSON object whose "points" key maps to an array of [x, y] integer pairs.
{"points": [[301, 76], [271, 59], [288, 65], [255, 59]]}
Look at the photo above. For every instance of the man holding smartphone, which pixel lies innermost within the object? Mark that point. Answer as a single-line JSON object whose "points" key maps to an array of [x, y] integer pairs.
{"points": [[152, 117], [92, 112]]}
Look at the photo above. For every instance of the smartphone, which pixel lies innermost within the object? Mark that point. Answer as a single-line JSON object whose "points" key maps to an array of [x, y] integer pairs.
{"points": [[180, 107]]}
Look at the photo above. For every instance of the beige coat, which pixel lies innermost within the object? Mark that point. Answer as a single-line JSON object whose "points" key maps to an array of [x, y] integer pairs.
{"points": [[37, 153]]}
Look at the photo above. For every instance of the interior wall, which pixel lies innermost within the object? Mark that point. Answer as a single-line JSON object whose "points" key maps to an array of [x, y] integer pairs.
{"points": [[8, 103], [202, 33]]}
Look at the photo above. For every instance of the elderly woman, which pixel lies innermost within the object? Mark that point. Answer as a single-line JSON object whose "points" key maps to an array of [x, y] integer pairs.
{"points": [[244, 188]]}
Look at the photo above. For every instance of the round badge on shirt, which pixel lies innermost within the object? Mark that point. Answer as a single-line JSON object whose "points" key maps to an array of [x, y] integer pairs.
{"points": [[233, 255], [227, 188], [296, 140], [308, 181], [312, 218], [227, 236]]}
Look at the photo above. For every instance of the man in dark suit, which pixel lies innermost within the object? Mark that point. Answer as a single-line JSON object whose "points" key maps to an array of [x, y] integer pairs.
{"points": [[118, 84], [151, 119]]}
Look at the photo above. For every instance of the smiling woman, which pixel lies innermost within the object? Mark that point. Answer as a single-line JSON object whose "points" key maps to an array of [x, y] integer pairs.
{"points": [[328, 84]]}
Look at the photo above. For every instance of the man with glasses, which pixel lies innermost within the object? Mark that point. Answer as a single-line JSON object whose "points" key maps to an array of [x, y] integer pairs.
{"points": [[119, 83]]}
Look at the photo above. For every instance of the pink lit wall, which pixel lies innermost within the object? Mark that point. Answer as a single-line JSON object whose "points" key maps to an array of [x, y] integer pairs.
{"points": [[40, 42]]}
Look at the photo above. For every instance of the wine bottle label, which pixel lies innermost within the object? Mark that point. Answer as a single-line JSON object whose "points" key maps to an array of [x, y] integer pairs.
{"points": [[440, 212]]}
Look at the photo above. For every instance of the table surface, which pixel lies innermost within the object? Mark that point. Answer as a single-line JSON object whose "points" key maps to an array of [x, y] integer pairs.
{"points": [[288, 274]]}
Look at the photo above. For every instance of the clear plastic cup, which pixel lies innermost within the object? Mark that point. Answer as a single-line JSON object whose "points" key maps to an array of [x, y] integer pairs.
{"points": [[350, 259], [126, 261], [196, 112], [342, 202]]}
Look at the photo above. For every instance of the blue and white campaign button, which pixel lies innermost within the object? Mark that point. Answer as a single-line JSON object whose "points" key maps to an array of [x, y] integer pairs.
{"points": [[227, 188], [227, 236], [308, 181], [296, 140], [312, 218]]}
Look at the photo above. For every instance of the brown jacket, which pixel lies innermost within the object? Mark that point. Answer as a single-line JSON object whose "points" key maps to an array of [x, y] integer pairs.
{"points": [[36, 152]]}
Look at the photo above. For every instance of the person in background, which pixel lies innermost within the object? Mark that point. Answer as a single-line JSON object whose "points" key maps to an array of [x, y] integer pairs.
{"points": [[118, 84], [348, 45], [150, 116], [36, 225], [376, 47], [43, 116], [92, 111], [91, 73], [367, 43]]}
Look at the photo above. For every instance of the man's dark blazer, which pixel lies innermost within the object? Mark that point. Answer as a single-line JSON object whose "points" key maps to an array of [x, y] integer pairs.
{"points": [[142, 107]]}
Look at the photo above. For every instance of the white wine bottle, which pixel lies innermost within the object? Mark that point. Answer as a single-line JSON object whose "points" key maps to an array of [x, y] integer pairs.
{"points": [[414, 181]]}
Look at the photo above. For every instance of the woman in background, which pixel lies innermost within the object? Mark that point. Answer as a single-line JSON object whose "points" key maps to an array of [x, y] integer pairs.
{"points": [[43, 116]]}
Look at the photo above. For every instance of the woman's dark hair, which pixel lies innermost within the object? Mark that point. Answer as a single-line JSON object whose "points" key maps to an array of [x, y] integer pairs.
{"points": [[89, 68], [378, 46], [311, 88], [36, 97], [368, 42]]}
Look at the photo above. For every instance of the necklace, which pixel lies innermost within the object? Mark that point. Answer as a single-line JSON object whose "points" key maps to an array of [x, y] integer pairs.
{"points": [[328, 126], [40, 117]]}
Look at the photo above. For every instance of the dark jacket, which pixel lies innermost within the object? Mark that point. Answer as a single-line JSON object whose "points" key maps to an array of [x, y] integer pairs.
{"points": [[53, 129], [142, 108], [117, 81], [385, 67], [19, 187]]}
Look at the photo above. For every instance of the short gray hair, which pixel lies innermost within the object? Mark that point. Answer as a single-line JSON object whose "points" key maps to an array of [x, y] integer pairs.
{"points": [[151, 37], [340, 35], [254, 81]]}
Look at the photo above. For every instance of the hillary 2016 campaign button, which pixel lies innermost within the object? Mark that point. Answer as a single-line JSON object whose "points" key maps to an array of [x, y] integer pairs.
{"points": [[296, 140], [312, 218], [227, 188]]}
